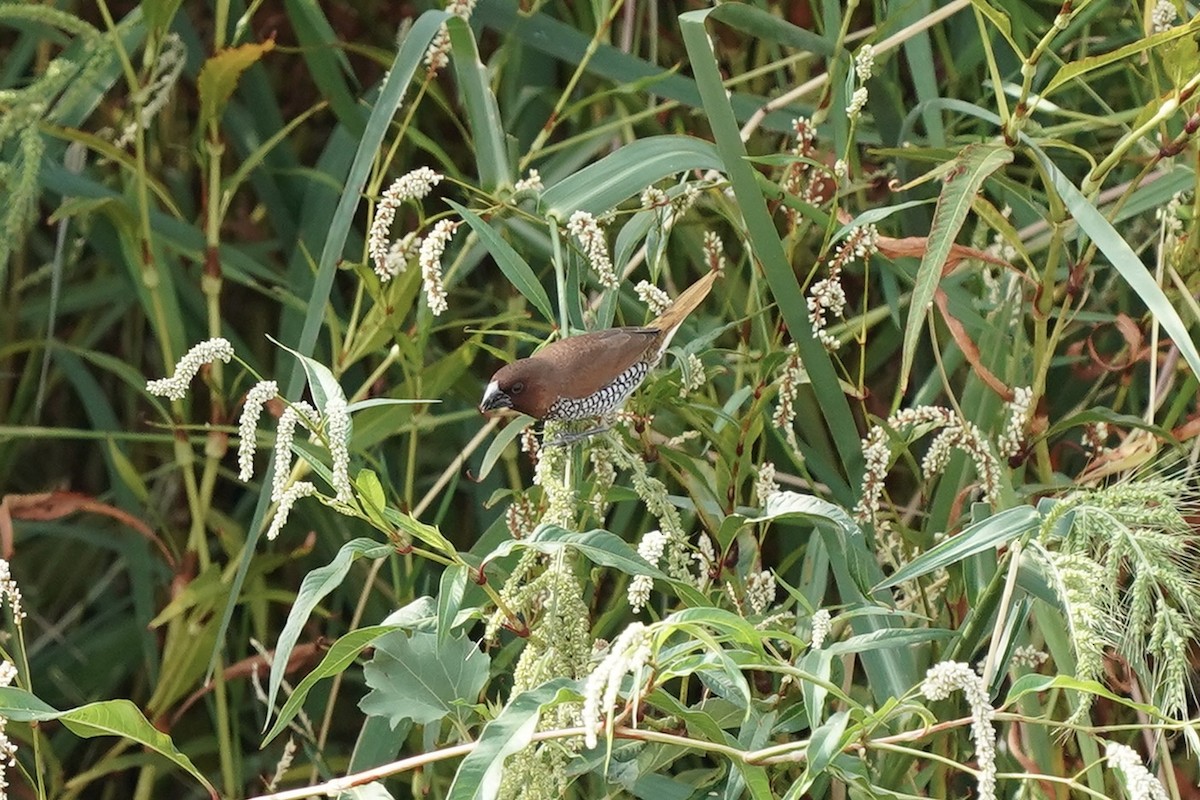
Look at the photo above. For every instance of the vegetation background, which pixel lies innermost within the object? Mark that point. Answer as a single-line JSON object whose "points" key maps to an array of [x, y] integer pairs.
{"points": [[906, 511]]}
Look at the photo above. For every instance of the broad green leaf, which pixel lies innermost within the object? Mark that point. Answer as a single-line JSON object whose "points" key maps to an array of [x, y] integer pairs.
{"points": [[827, 742], [340, 655], [483, 115], [105, 718], [984, 535], [219, 76], [321, 380], [313, 588], [888, 637], [973, 165], [1034, 683], [478, 777], [519, 273], [599, 187], [503, 439], [1080, 67], [413, 677], [450, 594]]}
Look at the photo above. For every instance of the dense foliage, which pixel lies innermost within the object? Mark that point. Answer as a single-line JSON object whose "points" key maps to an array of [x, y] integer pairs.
{"points": [[906, 509]]}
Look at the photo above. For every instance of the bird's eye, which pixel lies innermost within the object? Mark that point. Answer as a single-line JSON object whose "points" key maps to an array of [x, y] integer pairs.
{"points": [[516, 388]]}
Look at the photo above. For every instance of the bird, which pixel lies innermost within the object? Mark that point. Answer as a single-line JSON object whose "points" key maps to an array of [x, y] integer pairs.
{"points": [[591, 374]]}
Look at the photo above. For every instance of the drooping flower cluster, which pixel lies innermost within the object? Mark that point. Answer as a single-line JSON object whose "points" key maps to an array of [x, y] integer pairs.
{"points": [[629, 654], [655, 298], [430, 259], [438, 54], [11, 593], [206, 352], [1012, 440], [651, 548], [822, 623], [694, 375], [287, 499], [256, 398], [956, 433], [864, 63], [826, 298], [791, 378], [8, 748], [337, 430], [1139, 782], [760, 591], [944, 679], [714, 252], [587, 231], [765, 484], [392, 257]]}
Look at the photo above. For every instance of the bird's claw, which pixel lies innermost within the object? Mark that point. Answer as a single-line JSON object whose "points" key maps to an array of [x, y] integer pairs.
{"points": [[571, 437]]}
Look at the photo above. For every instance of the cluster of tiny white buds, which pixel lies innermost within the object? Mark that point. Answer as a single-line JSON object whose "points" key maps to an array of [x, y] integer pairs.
{"points": [[966, 436], [655, 298], [653, 197], [586, 230], [864, 63], [628, 654], [8, 748], [714, 252], [651, 548], [944, 679], [760, 590], [285, 432], [414, 185], [520, 517], [1012, 439], [337, 430], [437, 56], [706, 557], [1095, 437], [826, 301], [789, 387], [765, 484], [530, 443], [399, 253], [806, 135], [1029, 656], [858, 101], [286, 500], [693, 375], [256, 398], [1163, 17], [860, 244], [877, 455], [430, 259], [11, 592], [1139, 782], [841, 169], [206, 352], [822, 623], [530, 183]]}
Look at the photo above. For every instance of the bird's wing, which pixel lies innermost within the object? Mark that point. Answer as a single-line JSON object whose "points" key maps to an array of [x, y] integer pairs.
{"points": [[591, 361]]}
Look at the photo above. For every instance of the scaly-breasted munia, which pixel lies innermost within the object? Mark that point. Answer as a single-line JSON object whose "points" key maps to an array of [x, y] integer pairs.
{"points": [[591, 374]]}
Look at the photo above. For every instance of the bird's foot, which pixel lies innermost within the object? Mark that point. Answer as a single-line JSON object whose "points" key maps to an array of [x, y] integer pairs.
{"points": [[564, 438]]}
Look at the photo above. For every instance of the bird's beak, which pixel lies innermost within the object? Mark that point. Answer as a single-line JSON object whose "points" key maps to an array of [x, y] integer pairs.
{"points": [[494, 398]]}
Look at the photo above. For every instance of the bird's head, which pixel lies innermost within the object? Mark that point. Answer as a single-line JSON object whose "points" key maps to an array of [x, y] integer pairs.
{"points": [[521, 386]]}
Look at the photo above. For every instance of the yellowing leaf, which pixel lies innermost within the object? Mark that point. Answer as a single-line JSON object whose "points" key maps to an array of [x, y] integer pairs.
{"points": [[220, 74]]}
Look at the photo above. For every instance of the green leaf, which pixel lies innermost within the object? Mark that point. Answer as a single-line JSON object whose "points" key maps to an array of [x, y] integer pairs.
{"points": [[316, 585], [219, 76], [321, 381], [478, 776], [888, 637], [412, 677], [340, 655], [105, 718], [972, 166], [1034, 683], [1082, 66], [983, 535], [519, 273], [450, 594], [602, 185], [483, 114], [503, 439]]}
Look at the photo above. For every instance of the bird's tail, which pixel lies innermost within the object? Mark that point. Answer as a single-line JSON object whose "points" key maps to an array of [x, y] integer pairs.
{"points": [[670, 320]]}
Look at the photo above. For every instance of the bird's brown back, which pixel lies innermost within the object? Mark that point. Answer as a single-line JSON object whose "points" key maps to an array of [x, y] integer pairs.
{"points": [[589, 361]]}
